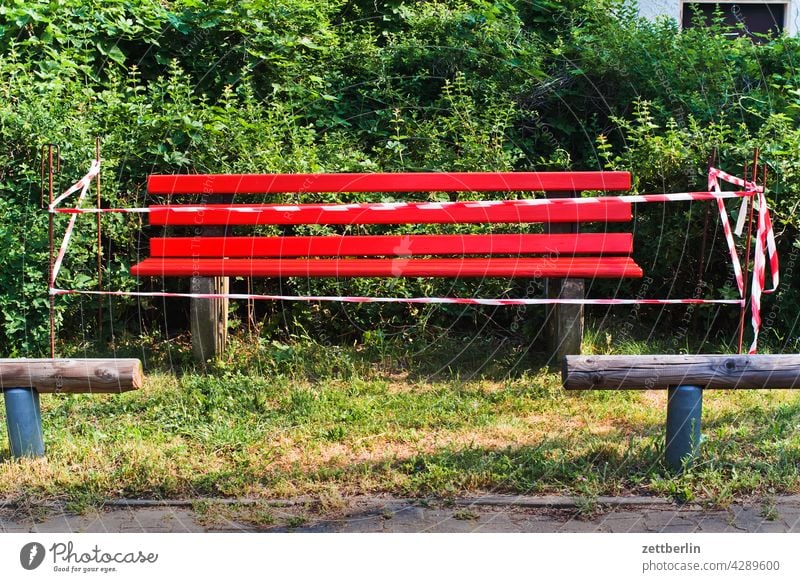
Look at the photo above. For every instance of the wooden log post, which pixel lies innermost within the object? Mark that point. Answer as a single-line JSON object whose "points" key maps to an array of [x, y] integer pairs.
{"points": [[685, 377], [21, 381], [209, 317], [564, 323]]}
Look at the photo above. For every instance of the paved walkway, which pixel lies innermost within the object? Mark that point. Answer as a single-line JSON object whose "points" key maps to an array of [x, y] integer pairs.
{"points": [[377, 514]]}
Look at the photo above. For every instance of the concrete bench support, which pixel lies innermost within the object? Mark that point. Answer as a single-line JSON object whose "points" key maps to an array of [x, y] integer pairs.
{"points": [[684, 412], [22, 380], [685, 377], [24, 420]]}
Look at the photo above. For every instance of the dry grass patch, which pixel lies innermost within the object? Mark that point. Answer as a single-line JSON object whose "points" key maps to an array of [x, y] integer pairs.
{"points": [[236, 431]]}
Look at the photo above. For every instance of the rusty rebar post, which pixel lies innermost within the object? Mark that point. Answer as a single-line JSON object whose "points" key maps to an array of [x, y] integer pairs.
{"points": [[51, 234], [746, 266], [99, 248]]}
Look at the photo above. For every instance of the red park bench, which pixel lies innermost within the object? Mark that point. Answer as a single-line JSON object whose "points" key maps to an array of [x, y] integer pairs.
{"points": [[559, 253]]}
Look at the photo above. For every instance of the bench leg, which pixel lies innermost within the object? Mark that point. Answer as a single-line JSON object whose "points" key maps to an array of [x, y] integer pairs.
{"points": [[684, 411], [565, 322], [209, 318], [24, 420]]}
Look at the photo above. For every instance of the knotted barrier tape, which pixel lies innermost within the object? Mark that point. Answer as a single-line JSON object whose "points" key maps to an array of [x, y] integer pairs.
{"points": [[765, 246], [81, 185]]}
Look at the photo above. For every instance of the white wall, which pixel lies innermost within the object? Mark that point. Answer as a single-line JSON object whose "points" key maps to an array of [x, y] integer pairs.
{"points": [[654, 8], [793, 18], [674, 8]]}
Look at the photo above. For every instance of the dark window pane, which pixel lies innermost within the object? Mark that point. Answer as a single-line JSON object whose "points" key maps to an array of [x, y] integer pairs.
{"points": [[756, 18]]}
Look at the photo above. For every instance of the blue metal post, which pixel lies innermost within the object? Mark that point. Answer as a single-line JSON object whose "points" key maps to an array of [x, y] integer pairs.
{"points": [[684, 411], [24, 420]]}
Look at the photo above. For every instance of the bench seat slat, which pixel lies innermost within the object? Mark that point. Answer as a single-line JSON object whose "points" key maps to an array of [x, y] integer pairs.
{"points": [[398, 182], [584, 267], [397, 245], [507, 211]]}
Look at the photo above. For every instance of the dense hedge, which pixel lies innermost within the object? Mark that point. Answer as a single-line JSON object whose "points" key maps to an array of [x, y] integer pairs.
{"points": [[301, 85]]}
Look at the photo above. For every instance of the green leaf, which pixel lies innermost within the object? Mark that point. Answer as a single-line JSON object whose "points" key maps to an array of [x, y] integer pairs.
{"points": [[308, 43], [116, 55]]}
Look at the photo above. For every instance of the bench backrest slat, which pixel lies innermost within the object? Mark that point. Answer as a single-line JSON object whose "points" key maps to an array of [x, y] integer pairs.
{"points": [[393, 245], [507, 211], [504, 254], [397, 182]]}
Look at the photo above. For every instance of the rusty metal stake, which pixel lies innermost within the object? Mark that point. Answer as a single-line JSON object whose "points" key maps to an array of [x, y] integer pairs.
{"points": [[746, 269], [51, 149], [99, 248]]}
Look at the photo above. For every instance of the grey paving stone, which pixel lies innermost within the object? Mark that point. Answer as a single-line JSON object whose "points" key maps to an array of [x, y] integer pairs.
{"points": [[676, 527], [792, 522], [717, 522], [624, 523], [389, 515], [747, 518], [373, 524], [670, 522], [579, 526]]}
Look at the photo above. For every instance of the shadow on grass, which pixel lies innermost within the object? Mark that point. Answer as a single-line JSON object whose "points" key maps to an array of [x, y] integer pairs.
{"points": [[556, 466], [241, 400], [473, 358]]}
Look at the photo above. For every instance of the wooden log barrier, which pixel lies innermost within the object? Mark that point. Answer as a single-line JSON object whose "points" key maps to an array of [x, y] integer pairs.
{"points": [[685, 377], [21, 381], [72, 375], [662, 372]]}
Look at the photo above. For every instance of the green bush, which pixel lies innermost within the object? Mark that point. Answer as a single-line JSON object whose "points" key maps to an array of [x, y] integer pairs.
{"points": [[295, 85]]}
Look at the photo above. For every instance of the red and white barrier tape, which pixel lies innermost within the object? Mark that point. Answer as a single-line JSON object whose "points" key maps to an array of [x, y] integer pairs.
{"points": [[438, 300], [765, 245], [283, 208], [83, 186], [765, 240], [713, 186]]}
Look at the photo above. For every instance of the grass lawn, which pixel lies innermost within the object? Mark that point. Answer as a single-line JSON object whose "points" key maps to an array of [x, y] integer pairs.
{"points": [[456, 416]]}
